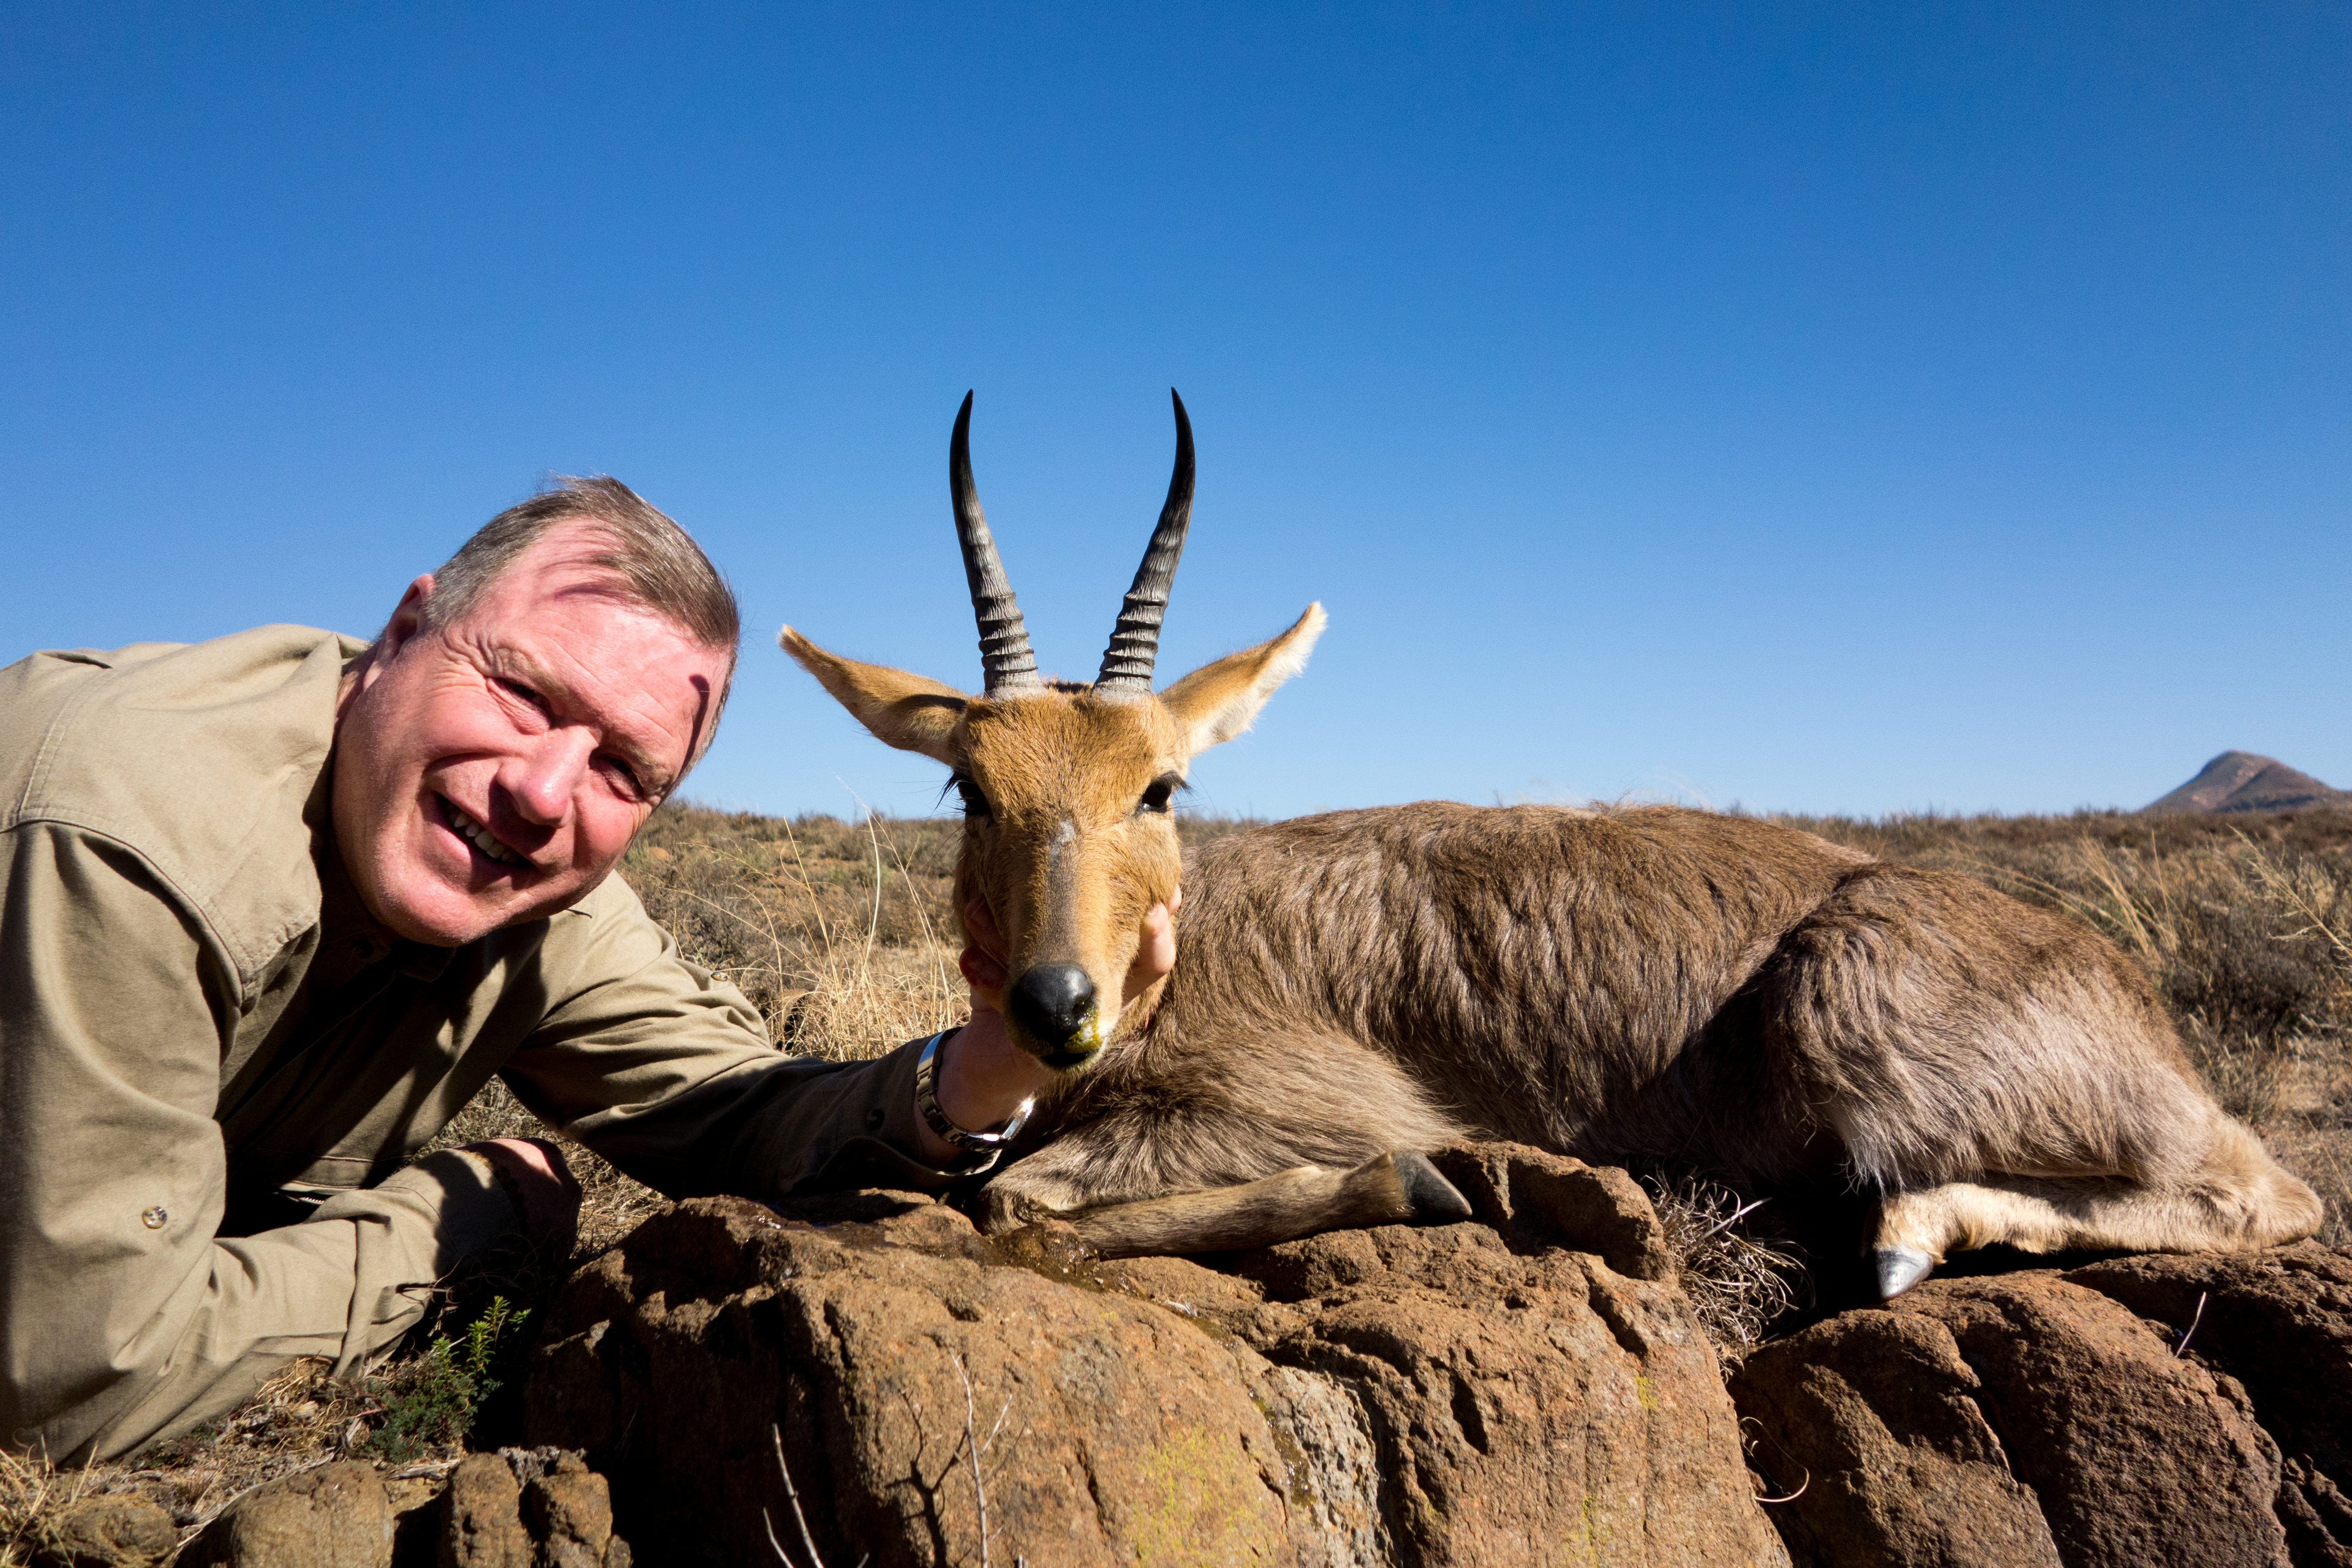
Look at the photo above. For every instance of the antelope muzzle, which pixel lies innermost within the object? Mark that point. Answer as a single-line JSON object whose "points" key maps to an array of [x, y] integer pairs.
{"points": [[1056, 1015]]}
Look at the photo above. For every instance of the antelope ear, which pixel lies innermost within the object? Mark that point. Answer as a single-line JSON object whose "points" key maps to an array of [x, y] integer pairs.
{"points": [[1217, 701], [913, 712]]}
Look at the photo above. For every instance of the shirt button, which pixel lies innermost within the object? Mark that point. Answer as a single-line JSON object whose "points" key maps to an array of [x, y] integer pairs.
{"points": [[155, 1218], [874, 1120]]}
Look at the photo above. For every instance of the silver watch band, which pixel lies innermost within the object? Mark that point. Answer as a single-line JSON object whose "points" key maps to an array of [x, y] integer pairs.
{"points": [[927, 1101]]}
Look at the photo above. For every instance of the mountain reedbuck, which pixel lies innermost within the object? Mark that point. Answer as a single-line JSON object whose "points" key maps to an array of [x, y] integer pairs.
{"points": [[1646, 984]]}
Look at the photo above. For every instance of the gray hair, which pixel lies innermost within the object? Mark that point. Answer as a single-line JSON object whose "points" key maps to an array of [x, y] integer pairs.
{"points": [[659, 566]]}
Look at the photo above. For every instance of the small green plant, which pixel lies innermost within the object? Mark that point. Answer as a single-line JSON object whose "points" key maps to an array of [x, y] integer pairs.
{"points": [[433, 1400]]}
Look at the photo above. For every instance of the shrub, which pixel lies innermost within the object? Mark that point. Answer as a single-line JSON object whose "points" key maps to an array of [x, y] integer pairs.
{"points": [[431, 1401]]}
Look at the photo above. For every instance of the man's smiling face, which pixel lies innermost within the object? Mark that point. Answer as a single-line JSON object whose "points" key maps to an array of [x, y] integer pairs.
{"points": [[490, 771]]}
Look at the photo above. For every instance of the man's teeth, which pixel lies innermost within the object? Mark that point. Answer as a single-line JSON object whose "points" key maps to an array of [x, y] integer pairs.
{"points": [[480, 835]]}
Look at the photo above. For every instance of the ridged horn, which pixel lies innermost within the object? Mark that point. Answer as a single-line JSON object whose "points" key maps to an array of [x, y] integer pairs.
{"points": [[1004, 655], [1135, 640]]}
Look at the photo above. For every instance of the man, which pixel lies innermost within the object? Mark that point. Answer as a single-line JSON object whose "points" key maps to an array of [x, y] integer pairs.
{"points": [[273, 908]]}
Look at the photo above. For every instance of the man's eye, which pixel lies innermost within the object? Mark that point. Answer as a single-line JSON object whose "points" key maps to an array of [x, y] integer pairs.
{"points": [[517, 689], [1158, 793], [975, 804], [625, 773]]}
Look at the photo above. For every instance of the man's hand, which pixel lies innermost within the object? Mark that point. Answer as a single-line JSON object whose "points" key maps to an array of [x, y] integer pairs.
{"points": [[983, 1076], [1156, 954], [545, 1194]]}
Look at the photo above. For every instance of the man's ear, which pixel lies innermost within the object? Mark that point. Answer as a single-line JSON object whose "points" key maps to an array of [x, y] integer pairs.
{"points": [[912, 713], [407, 621], [1217, 701], [407, 618]]}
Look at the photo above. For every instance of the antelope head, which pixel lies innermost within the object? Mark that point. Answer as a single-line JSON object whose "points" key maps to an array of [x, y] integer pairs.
{"points": [[1069, 838]]}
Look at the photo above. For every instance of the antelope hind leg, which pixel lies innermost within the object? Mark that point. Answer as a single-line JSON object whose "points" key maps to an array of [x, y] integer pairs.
{"points": [[1396, 1186], [2237, 1200]]}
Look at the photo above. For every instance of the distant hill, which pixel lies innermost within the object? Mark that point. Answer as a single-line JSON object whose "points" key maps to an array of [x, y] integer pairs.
{"points": [[2241, 781]]}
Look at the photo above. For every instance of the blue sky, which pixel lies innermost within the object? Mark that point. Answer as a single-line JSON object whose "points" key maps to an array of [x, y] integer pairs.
{"points": [[1811, 408]]}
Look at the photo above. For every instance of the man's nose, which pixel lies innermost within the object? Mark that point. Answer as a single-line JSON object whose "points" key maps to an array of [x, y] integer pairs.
{"points": [[542, 779]]}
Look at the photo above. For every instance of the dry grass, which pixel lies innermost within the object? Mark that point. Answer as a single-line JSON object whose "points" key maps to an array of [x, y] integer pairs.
{"points": [[840, 932], [300, 1419], [1739, 1283]]}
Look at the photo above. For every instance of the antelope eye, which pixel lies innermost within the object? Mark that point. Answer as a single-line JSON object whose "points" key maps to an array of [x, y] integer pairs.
{"points": [[975, 804], [1156, 794]]}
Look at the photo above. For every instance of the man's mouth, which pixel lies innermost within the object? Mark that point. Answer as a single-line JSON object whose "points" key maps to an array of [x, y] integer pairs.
{"points": [[479, 836]]}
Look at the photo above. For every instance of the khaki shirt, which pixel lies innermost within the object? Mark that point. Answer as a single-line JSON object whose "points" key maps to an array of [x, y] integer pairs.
{"points": [[205, 1038]]}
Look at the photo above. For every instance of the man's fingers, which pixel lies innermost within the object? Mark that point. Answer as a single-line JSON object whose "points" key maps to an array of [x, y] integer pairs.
{"points": [[980, 972], [1158, 953], [981, 962], [979, 924], [1155, 954]]}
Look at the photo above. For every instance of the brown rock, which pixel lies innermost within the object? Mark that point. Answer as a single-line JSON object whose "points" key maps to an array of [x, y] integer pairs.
{"points": [[336, 1516], [2280, 1323], [482, 1525], [569, 1509], [1523, 1407], [528, 1507], [1870, 1426], [2018, 1419], [416, 1503], [1109, 1430], [105, 1532], [1535, 1199], [1463, 1395]]}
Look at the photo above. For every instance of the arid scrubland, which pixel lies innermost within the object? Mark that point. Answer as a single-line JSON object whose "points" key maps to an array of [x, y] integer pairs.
{"points": [[840, 932]]}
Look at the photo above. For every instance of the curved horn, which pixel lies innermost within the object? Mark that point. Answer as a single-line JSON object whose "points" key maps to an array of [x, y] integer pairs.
{"points": [[1004, 655], [1135, 640]]}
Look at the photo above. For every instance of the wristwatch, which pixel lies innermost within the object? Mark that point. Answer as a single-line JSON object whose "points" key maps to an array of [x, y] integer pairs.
{"points": [[927, 1101]]}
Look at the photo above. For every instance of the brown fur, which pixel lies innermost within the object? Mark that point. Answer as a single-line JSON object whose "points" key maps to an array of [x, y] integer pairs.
{"points": [[1657, 987], [1644, 985]]}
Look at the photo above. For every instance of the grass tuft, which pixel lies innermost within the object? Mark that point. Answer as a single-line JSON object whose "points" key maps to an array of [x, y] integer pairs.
{"points": [[1739, 1283]]}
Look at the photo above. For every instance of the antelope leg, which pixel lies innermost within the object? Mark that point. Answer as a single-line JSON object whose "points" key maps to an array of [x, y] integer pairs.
{"points": [[1396, 1186]]}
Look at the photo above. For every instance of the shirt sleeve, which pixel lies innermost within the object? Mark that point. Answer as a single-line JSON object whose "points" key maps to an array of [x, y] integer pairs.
{"points": [[669, 1073], [121, 1318]]}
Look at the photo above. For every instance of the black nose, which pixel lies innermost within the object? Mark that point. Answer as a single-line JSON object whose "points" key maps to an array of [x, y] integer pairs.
{"points": [[1052, 1002]]}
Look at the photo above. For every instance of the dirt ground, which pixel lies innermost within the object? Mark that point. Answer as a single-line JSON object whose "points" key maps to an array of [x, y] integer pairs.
{"points": [[839, 932]]}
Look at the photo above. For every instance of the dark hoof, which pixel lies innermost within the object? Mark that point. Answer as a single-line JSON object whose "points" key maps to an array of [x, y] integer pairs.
{"points": [[1435, 1200]]}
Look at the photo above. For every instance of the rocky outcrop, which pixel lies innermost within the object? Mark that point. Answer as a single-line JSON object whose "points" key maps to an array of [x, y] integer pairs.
{"points": [[512, 1508], [2185, 1410], [868, 1377], [1529, 1387], [335, 1516], [520, 1509], [2279, 1324], [103, 1532]]}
